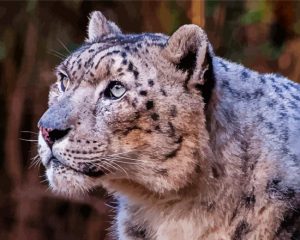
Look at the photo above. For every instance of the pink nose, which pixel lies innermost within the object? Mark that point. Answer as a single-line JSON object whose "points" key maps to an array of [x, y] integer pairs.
{"points": [[46, 135], [51, 135]]}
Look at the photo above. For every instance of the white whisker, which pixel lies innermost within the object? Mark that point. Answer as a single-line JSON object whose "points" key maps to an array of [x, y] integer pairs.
{"points": [[64, 46], [109, 164], [121, 153], [130, 163], [29, 132], [28, 140], [116, 166], [129, 160], [58, 53], [105, 168]]}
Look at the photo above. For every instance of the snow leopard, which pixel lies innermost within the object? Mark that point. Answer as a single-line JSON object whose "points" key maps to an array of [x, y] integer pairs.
{"points": [[191, 145]]}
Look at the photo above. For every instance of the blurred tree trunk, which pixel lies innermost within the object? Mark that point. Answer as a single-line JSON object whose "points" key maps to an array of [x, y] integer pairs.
{"points": [[15, 107], [197, 12]]}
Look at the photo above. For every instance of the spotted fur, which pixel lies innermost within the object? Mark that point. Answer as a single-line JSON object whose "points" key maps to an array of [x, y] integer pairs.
{"points": [[198, 147]]}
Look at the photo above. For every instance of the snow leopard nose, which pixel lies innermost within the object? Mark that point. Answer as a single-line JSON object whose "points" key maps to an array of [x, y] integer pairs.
{"points": [[52, 135], [57, 121]]}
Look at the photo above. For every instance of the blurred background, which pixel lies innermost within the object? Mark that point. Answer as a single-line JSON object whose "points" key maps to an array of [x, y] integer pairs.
{"points": [[34, 37]]}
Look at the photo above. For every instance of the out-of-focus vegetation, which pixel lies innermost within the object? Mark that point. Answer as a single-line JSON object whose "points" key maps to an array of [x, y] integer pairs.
{"points": [[35, 35]]}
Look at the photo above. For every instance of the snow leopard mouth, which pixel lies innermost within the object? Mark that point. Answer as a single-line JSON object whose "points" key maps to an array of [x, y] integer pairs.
{"points": [[87, 170]]}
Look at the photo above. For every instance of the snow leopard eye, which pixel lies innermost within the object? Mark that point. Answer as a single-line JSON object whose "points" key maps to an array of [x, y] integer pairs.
{"points": [[63, 82], [114, 90]]}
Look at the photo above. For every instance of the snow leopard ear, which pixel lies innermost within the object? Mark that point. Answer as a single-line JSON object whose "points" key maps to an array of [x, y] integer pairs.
{"points": [[99, 26], [188, 48]]}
